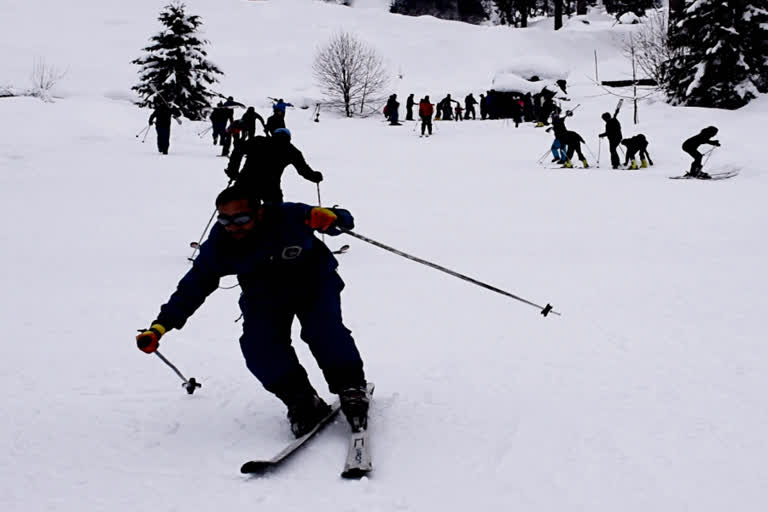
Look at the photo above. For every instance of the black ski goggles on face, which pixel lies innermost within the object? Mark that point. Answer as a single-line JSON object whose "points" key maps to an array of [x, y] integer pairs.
{"points": [[240, 219]]}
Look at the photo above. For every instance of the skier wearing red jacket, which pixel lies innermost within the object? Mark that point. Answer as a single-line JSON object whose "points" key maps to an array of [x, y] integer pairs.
{"points": [[426, 109]]}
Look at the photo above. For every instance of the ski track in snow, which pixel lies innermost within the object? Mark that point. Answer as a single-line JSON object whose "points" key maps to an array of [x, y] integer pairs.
{"points": [[647, 394]]}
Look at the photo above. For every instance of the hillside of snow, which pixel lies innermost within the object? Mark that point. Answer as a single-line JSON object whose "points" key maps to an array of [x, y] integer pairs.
{"points": [[646, 394]]}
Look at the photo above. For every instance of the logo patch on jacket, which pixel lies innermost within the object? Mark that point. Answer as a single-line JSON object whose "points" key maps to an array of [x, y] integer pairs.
{"points": [[291, 252]]}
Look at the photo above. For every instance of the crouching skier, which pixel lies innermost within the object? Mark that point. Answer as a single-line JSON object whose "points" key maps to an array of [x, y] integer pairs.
{"points": [[635, 145], [284, 272]]}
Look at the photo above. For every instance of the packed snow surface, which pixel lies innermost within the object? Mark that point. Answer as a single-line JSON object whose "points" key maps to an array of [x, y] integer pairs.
{"points": [[648, 393]]}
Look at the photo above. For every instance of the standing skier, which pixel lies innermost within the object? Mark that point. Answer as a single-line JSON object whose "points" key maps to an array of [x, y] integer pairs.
{"points": [[409, 103], [266, 159], [220, 117], [284, 272], [558, 147], [391, 110], [613, 132], [426, 109], [161, 118], [275, 121], [469, 106], [691, 146]]}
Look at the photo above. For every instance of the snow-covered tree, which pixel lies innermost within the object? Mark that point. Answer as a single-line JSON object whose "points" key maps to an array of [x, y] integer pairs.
{"points": [[755, 22], [710, 66], [175, 68]]}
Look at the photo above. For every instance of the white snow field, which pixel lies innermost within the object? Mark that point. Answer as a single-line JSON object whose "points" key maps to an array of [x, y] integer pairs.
{"points": [[647, 394]]}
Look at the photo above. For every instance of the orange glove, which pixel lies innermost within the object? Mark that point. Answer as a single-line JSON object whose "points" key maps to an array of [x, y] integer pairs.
{"points": [[321, 219], [148, 341]]}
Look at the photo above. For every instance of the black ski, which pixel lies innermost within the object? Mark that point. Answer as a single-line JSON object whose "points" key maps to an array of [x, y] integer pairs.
{"points": [[359, 462], [712, 176], [341, 250], [259, 467]]}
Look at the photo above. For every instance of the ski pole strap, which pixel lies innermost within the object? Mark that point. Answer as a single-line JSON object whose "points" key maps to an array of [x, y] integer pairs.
{"points": [[545, 310]]}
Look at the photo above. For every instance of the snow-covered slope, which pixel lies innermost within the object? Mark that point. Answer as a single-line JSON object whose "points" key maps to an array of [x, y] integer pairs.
{"points": [[647, 394]]}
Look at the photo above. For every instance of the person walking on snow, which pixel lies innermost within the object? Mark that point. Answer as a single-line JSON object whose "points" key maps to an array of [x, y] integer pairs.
{"points": [[457, 112], [249, 122], [266, 159], [613, 132], [280, 105], [161, 118], [275, 121], [426, 109], [392, 110], [220, 118], [284, 271], [635, 145], [691, 146]]}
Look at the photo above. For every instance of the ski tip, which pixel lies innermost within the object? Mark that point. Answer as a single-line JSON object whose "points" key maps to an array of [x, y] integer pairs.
{"points": [[255, 467], [355, 473]]}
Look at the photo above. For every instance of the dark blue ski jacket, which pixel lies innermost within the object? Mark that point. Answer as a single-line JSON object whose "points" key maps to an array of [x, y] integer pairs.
{"points": [[281, 257]]}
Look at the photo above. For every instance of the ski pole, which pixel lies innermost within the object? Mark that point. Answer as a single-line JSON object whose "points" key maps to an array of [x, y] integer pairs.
{"points": [[196, 245], [599, 148], [542, 156], [143, 131], [200, 134], [544, 310], [590, 150], [145, 134], [189, 384], [709, 155]]}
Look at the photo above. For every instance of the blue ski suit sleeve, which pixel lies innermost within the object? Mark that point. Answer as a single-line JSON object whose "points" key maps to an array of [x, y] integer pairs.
{"points": [[201, 280]]}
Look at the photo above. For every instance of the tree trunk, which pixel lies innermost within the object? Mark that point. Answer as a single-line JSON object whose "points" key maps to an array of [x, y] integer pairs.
{"points": [[558, 14], [523, 7], [581, 6]]}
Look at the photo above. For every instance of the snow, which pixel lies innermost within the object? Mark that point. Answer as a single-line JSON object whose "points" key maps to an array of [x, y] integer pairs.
{"points": [[647, 394]]}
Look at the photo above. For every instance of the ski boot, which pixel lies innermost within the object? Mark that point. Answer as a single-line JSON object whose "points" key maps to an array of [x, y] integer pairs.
{"points": [[354, 405], [585, 164], [633, 165], [305, 412], [643, 164], [568, 164]]}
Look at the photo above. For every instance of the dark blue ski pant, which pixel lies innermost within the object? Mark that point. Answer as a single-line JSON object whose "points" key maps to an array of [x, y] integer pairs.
{"points": [[266, 339]]}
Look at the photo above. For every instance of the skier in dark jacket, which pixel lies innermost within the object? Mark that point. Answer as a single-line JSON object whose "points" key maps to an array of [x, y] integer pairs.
{"points": [[275, 121], [691, 146], [573, 144], [635, 145], [234, 133], [220, 118], [391, 110], [613, 132], [249, 122], [266, 159], [469, 106], [280, 106], [161, 118], [284, 272], [447, 108], [558, 147], [483, 107], [409, 103]]}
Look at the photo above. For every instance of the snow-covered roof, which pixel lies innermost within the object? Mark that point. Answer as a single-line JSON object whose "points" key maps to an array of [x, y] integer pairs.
{"points": [[510, 82]]}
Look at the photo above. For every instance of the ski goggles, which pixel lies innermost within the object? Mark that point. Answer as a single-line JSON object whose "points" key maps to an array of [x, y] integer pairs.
{"points": [[238, 220]]}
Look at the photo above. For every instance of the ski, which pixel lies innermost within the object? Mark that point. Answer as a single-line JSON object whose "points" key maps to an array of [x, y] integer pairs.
{"points": [[260, 467], [712, 176], [359, 462]]}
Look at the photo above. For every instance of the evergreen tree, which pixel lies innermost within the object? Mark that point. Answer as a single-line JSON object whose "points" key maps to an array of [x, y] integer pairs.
{"points": [[755, 22], [175, 65], [621, 7], [710, 65]]}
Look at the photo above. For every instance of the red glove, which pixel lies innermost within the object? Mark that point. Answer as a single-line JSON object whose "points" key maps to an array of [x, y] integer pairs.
{"points": [[321, 219], [149, 340]]}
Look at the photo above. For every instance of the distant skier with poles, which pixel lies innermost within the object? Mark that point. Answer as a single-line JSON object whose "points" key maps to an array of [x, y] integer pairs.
{"points": [[280, 105], [558, 147], [161, 118], [284, 272], [613, 132], [266, 159], [635, 145], [691, 146]]}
